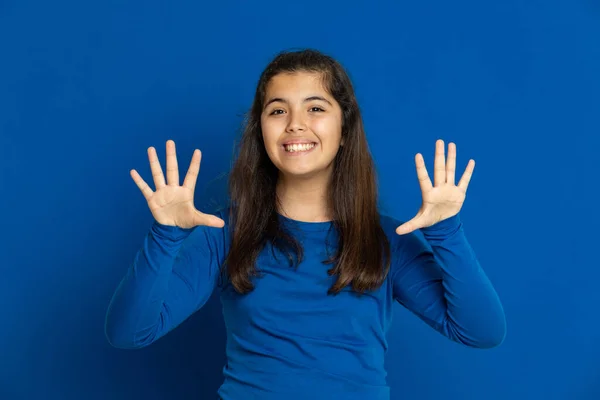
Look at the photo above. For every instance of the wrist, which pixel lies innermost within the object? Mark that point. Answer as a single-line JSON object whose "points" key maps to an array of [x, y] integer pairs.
{"points": [[446, 225]]}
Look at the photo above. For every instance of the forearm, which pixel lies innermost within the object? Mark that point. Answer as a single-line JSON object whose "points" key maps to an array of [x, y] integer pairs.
{"points": [[473, 313], [137, 314]]}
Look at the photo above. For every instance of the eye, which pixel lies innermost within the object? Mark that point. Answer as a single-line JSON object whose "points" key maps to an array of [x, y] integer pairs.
{"points": [[318, 109], [275, 112]]}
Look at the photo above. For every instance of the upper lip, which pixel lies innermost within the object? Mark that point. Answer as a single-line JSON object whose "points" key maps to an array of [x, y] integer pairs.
{"points": [[297, 141]]}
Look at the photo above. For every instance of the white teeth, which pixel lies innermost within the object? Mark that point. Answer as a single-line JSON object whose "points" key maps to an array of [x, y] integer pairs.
{"points": [[299, 147]]}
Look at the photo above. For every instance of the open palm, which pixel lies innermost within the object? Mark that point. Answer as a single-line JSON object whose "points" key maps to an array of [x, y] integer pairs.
{"points": [[442, 199], [173, 204]]}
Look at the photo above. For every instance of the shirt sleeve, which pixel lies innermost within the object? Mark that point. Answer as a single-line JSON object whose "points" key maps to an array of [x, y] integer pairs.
{"points": [[172, 275], [441, 281]]}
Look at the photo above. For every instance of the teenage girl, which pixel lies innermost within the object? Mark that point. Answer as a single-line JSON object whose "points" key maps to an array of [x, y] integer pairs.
{"points": [[307, 268]]}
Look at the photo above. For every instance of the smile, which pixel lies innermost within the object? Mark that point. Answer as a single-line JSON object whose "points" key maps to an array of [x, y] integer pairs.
{"points": [[299, 148]]}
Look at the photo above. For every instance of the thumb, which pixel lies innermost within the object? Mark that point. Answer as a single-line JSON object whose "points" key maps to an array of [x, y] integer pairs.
{"points": [[408, 226], [208, 220]]}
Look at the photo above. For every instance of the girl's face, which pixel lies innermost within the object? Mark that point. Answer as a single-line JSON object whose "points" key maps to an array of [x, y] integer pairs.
{"points": [[301, 125]]}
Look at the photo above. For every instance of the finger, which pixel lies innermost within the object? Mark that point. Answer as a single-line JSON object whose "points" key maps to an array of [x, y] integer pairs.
{"points": [[192, 174], [466, 177], [172, 168], [208, 220], [422, 174], [451, 164], [141, 184], [439, 164], [157, 174]]}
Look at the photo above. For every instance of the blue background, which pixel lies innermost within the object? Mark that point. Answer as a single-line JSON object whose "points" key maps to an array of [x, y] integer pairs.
{"points": [[86, 87]]}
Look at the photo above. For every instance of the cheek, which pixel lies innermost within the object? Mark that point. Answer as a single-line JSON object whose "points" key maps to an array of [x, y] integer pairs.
{"points": [[328, 130], [270, 143], [268, 134]]}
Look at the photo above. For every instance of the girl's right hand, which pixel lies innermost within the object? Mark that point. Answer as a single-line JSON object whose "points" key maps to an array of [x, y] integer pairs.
{"points": [[172, 204]]}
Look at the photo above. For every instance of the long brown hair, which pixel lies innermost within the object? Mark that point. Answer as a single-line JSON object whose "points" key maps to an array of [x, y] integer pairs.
{"points": [[362, 257]]}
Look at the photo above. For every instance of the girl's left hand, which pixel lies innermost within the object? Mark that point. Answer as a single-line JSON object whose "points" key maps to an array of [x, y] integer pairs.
{"points": [[443, 199]]}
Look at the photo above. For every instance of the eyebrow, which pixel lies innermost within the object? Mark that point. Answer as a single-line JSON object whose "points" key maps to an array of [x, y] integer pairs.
{"points": [[282, 100]]}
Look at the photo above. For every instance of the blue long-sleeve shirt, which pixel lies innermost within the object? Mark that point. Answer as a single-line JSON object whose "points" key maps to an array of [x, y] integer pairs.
{"points": [[289, 338]]}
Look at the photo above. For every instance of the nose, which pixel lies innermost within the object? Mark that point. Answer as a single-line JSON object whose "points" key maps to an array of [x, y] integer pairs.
{"points": [[296, 123]]}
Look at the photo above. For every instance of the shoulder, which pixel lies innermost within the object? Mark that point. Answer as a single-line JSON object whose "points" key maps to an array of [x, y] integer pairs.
{"points": [[389, 225], [403, 248]]}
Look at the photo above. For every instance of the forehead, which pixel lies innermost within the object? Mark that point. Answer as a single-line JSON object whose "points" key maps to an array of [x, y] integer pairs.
{"points": [[297, 83]]}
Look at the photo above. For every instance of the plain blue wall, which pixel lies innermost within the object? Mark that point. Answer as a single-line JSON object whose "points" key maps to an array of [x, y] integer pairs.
{"points": [[85, 88]]}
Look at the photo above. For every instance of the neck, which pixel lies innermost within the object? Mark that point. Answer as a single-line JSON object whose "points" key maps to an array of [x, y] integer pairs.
{"points": [[303, 199]]}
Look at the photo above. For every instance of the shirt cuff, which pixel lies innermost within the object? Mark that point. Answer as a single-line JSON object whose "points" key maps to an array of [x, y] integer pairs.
{"points": [[444, 227], [170, 232]]}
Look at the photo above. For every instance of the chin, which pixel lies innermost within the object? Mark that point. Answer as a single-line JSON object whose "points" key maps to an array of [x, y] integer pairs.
{"points": [[302, 173], [296, 173]]}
